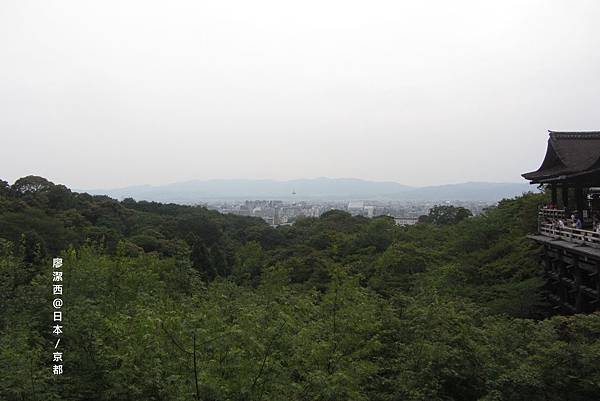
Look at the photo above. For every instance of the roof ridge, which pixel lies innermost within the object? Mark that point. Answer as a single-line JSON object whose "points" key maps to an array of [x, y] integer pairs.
{"points": [[574, 132], [574, 135]]}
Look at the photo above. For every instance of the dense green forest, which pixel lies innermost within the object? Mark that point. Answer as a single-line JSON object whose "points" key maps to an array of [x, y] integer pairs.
{"points": [[172, 302]]}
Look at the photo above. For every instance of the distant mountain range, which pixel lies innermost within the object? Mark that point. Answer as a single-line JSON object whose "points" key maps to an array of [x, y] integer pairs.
{"points": [[191, 192]]}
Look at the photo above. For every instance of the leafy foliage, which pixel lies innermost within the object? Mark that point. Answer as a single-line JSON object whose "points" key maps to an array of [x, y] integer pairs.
{"points": [[172, 302], [445, 214]]}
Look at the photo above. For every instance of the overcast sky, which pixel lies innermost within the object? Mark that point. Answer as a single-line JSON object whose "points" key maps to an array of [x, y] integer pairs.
{"points": [[114, 93]]}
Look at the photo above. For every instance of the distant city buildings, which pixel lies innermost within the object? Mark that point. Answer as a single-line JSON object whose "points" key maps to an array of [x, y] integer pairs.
{"points": [[277, 212], [406, 221]]}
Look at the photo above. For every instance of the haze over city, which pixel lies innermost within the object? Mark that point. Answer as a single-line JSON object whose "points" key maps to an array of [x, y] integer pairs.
{"points": [[111, 94]]}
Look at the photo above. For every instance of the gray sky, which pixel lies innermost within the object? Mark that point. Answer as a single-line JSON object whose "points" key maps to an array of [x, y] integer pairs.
{"points": [[113, 93]]}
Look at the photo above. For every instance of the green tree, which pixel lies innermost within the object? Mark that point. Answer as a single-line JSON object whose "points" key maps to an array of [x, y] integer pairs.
{"points": [[445, 214]]}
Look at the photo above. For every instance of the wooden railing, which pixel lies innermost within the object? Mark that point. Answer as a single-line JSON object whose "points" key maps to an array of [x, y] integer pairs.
{"points": [[571, 234], [552, 213]]}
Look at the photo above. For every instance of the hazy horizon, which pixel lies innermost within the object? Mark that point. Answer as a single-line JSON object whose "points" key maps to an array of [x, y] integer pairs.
{"points": [[113, 94], [313, 189], [145, 184], [309, 179]]}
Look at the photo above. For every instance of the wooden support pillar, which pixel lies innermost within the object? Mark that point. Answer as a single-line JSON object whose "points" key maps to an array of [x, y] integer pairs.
{"points": [[597, 279], [579, 204], [578, 294], [561, 267], [565, 196], [548, 266], [553, 194]]}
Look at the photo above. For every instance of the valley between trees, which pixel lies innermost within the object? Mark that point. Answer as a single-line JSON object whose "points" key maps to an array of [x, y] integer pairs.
{"points": [[172, 302]]}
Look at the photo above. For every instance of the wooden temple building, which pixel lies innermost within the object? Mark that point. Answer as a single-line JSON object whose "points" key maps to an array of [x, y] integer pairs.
{"points": [[569, 227]]}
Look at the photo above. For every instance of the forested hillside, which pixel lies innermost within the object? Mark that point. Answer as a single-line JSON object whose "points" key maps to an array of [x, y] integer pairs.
{"points": [[171, 302]]}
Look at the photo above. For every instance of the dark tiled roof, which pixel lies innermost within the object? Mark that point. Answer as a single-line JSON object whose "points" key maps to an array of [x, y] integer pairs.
{"points": [[568, 153]]}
